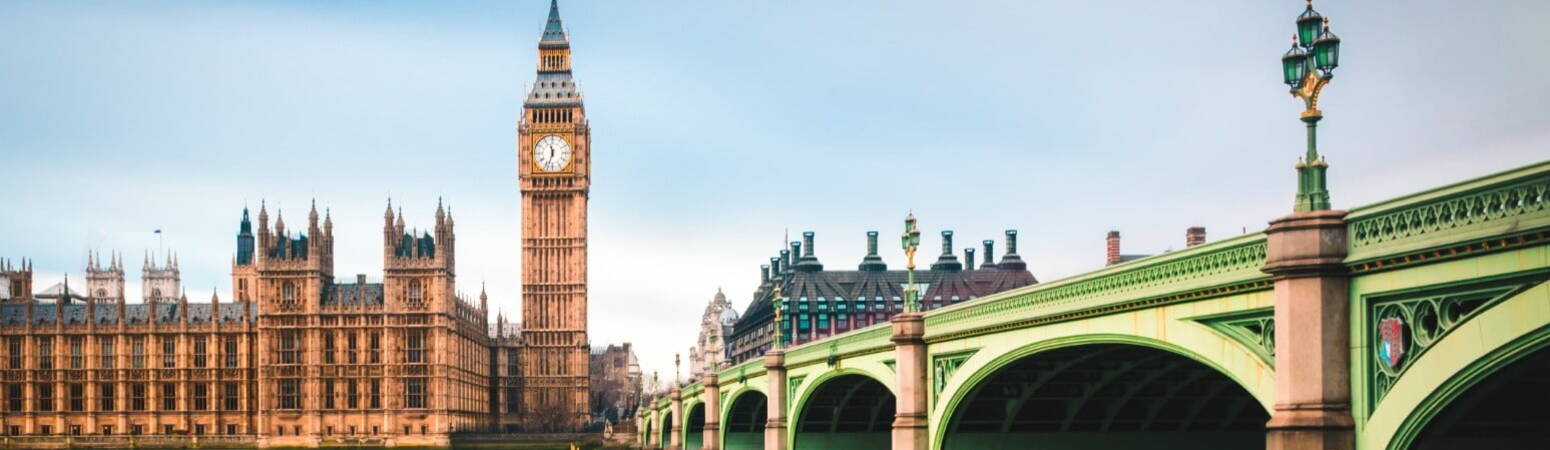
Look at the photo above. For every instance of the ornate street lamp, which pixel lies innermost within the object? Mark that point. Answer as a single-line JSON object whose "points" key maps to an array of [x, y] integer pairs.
{"points": [[1307, 67], [911, 241]]}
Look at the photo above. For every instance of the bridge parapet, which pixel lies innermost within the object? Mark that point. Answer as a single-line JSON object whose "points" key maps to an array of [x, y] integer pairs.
{"points": [[1435, 223], [1220, 268]]}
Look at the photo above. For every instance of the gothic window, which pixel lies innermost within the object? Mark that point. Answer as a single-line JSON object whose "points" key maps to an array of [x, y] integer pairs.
{"points": [[169, 396], [290, 347], [102, 293], [414, 393], [45, 392], [350, 347], [511, 362], [328, 394], [107, 352], [290, 394], [416, 296], [137, 396], [352, 394], [328, 347], [376, 394], [231, 351], [107, 396], [77, 349], [14, 351], [288, 294], [414, 345], [137, 352], [376, 347], [169, 352], [513, 400], [13, 397], [201, 397], [155, 292], [77, 397], [45, 352], [201, 352], [230, 397]]}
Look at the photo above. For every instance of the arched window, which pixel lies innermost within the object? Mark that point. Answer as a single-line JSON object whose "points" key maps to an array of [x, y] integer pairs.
{"points": [[102, 293], [416, 296], [156, 293], [288, 293]]}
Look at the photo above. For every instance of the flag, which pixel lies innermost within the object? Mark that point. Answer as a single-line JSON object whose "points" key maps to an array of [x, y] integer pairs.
{"points": [[158, 231]]}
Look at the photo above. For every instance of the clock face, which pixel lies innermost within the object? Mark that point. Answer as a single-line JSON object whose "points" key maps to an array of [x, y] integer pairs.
{"points": [[552, 153]]}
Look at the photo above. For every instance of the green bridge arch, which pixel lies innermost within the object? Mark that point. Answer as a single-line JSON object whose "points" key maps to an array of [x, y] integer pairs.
{"points": [[1226, 353], [804, 394]]}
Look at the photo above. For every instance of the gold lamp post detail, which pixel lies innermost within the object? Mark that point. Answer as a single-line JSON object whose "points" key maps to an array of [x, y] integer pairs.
{"points": [[776, 299], [911, 242]]}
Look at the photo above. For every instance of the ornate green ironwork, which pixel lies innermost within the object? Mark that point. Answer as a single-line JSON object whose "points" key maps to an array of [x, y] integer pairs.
{"points": [[791, 386], [1419, 319], [1487, 207], [1256, 330], [1240, 256], [942, 368]]}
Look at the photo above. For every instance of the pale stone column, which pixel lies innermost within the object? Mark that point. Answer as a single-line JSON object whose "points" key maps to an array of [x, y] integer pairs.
{"points": [[775, 426], [652, 439], [909, 347], [712, 399], [1313, 333], [675, 440]]}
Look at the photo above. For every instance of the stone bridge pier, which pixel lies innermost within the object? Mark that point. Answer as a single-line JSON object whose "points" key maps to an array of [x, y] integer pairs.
{"points": [[1305, 255]]}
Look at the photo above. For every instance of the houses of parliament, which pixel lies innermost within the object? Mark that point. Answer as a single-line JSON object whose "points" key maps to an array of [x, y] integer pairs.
{"points": [[299, 357]]}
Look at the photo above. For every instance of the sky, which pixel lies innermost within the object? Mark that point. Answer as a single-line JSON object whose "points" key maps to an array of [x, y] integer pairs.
{"points": [[721, 128]]}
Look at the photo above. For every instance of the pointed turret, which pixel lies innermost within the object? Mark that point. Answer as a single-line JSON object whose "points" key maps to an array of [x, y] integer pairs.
{"points": [[441, 213], [484, 299], [554, 30], [263, 217]]}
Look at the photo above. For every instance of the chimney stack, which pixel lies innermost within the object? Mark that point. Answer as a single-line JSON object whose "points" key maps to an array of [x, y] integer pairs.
{"points": [[948, 261], [808, 262], [764, 274], [872, 261], [1011, 261], [793, 256], [990, 252], [1194, 236], [1113, 248], [968, 258]]}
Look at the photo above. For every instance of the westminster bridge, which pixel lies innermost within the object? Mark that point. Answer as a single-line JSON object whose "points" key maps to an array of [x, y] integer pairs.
{"points": [[1416, 323]]}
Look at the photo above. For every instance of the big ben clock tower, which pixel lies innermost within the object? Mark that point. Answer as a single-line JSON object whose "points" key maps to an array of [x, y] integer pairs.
{"points": [[554, 169]]}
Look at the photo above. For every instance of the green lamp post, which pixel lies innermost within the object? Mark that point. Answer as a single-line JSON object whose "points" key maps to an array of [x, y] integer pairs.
{"points": [[1307, 67], [911, 241]]}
